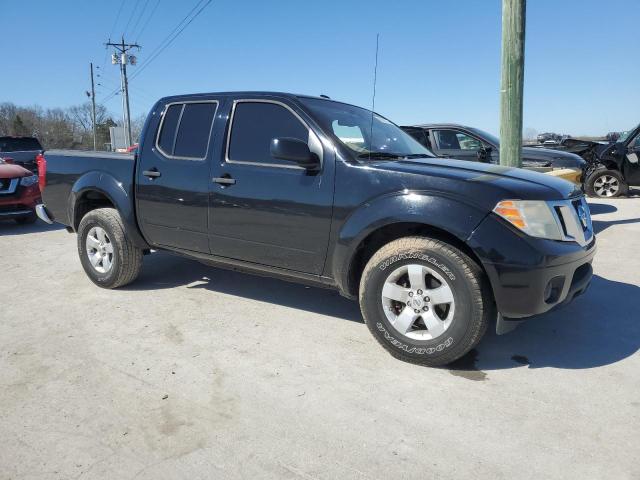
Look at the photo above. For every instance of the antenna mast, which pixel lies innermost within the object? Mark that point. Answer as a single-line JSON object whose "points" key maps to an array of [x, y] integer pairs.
{"points": [[373, 99]]}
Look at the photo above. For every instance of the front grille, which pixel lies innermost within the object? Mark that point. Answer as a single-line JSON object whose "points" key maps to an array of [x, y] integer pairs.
{"points": [[11, 208], [8, 186], [574, 218]]}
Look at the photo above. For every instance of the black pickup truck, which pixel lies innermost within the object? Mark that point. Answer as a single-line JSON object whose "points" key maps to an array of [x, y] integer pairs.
{"points": [[317, 191]]}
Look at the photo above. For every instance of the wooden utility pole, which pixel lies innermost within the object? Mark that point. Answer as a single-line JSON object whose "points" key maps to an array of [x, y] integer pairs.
{"points": [[93, 110], [513, 33]]}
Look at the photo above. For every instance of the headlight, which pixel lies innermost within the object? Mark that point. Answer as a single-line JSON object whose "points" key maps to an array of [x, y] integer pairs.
{"points": [[533, 217], [28, 181]]}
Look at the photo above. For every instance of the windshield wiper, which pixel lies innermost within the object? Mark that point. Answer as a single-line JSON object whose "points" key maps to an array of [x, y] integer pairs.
{"points": [[391, 155], [380, 155]]}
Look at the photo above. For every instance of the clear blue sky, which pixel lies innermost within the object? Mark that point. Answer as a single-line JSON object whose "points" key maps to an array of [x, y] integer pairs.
{"points": [[439, 59]]}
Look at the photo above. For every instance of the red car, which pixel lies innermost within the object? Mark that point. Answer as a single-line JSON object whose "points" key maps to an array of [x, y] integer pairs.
{"points": [[19, 193]]}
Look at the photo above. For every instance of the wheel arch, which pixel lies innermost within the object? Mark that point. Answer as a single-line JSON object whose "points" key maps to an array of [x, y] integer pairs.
{"points": [[100, 190], [389, 218], [388, 233]]}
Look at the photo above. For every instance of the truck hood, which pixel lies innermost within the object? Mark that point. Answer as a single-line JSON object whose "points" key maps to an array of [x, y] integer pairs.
{"points": [[484, 183], [557, 158]]}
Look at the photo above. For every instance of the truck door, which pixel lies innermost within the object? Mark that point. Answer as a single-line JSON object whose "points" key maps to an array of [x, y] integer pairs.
{"points": [[264, 210], [631, 164], [450, 143], [172, 184]]}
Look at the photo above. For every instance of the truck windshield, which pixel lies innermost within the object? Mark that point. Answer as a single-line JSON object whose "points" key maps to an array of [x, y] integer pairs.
{"points": [[624, 136], [366, 134], [486, 136]]}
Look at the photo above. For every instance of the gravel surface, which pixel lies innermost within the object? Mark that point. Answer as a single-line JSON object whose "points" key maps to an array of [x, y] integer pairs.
{"points": [[199, 373]]}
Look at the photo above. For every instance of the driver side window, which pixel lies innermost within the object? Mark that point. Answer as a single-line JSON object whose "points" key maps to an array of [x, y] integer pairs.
{"points": [[455, 140]]}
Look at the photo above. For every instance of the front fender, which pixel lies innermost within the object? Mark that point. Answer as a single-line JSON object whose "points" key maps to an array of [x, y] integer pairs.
{"points": [[437, 210], [115, 191]]}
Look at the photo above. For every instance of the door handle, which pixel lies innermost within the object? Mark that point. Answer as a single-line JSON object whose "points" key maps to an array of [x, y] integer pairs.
{"points": [[153, 173], [225, 180]]}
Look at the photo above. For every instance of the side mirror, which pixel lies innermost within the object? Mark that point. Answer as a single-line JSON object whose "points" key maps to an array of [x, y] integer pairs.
{"points": [[483, 153], [296, 151]]}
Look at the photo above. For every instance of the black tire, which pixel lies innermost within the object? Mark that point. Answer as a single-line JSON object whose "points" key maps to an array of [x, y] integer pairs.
{"points": [[473, 300], [591, 189], [127, 259], [27, 220]]}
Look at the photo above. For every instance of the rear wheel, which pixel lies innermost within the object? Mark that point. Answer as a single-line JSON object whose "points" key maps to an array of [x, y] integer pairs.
{"points": [[604, 183], [424, 300], [108, 256]]}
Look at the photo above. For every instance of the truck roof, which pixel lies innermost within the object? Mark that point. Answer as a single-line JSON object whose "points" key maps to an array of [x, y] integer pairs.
{"points": [[440, 125], [257, 93]]}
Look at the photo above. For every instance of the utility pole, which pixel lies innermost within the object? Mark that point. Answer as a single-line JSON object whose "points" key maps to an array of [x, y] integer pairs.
{"points": [[511, 92], [121, 58], [93, 109]]}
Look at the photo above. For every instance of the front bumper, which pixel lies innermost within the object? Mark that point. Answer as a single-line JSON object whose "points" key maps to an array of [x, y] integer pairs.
{"points": [[530, 276], [20, 203]]}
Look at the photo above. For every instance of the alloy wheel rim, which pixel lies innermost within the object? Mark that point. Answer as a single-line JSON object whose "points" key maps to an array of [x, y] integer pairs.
{"points": [[606, 186], [99, 249], [418, 302]]}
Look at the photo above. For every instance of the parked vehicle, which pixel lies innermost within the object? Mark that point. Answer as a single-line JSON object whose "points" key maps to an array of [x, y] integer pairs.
{"points": [[548, 137], [19, 193], [447, 140], [611, 167], [322, 192], [22, 150]]}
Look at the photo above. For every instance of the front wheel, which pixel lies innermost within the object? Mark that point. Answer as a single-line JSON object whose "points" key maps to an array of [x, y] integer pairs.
{"points": [[108, 256], [424, 300], [604, 183]]}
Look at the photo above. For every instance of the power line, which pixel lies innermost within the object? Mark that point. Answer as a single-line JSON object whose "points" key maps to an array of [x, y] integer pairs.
{"points": [[115, 22], [167, 41], [117, 18], [152, 57], [135, 25], [198, 3], [144, 26], [133, 13]]}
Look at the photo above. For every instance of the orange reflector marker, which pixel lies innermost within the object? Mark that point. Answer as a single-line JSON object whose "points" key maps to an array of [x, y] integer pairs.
{"points": [[508, 210]]}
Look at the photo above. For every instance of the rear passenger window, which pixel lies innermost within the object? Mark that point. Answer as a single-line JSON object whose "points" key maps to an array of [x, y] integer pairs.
{"points": [[255, 124], [193, 122], [169, 125], [194, 130]]}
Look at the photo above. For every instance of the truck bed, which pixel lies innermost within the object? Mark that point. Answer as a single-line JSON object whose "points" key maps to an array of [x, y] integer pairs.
{"points": [[66, 169]]}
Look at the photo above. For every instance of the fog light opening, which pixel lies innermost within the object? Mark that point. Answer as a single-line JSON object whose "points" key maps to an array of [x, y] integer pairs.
{"points": [[553, 290]]}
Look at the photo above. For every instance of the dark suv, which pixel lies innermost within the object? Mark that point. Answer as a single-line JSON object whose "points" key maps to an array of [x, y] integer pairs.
{"points": [[447, 140], [22, 150]]}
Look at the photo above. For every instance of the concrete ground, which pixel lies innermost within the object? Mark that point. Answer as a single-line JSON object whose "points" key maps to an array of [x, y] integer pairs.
{"points": [[199, 373]]}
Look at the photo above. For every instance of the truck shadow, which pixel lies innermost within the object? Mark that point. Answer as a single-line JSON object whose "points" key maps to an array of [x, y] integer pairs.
{"points": [[599, 328], [600, 208], [163, 270], [601, 225], [604, 208], [9, 227]]}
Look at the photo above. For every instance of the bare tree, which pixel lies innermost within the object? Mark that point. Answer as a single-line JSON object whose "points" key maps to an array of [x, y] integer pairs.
{"points": [[56, 127]]}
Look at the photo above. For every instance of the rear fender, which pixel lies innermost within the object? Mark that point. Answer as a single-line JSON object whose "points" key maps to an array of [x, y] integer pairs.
{"points": [[114, 190]]}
